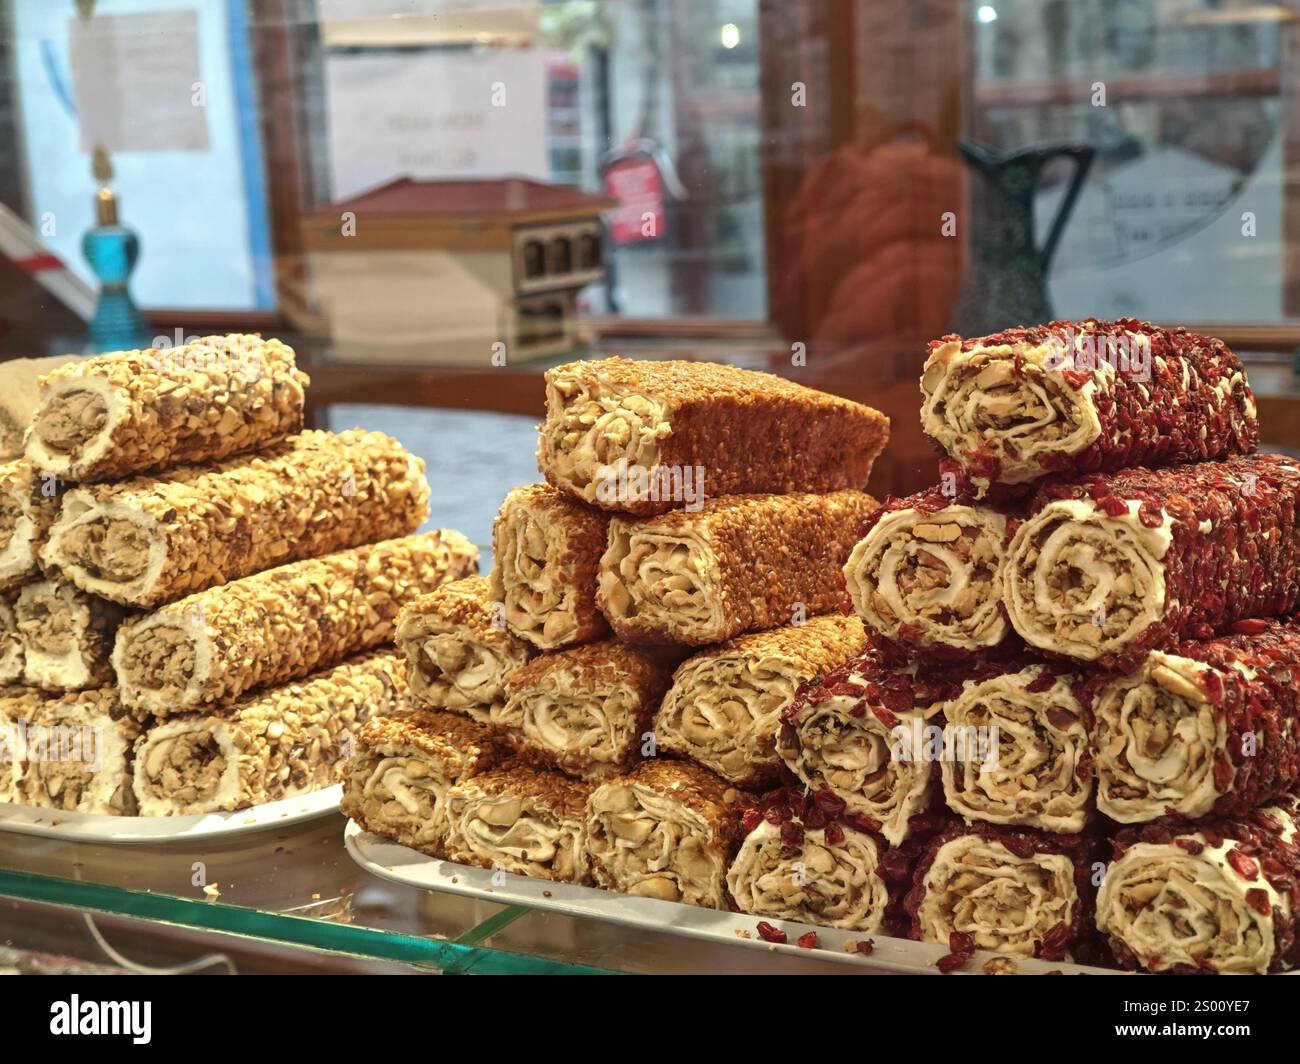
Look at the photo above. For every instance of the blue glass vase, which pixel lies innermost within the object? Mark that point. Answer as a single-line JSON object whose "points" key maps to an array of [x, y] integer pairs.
{"points": [[112, 251]]}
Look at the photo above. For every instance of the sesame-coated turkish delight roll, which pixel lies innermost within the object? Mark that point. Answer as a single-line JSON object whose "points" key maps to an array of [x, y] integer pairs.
{"points": [[11, 641], [928, 573], [1208, 728], [279, 743], [150, 540], [136, 411], [667, 830], [1016, 751], [546, 549], [67, 636], [645, 437], [1082, 397], [741, 563], [1109, 568], [458, 650], [396, 783], [210, 648], [522, 820], [725, 704], [588, 709], [77, 755], [984, 887], [1219, 897], [29, 503]]}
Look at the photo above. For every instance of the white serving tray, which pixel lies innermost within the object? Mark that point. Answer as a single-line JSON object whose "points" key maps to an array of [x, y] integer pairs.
{"points": [[389, 860], [96, 827]]}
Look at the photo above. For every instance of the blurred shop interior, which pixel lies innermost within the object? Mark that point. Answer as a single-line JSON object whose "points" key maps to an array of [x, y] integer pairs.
{"points": [[435, 200]]}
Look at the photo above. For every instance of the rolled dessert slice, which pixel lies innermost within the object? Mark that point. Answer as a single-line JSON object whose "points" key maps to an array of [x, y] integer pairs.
{"points": [[1079, 397], [863, 733], [725, 703], [137, 411], [19, 378], [150, 540], [275, 626], [11, 641], [739, 564], [828, 876], [521, 820], [546, 550], [279, 743], [1211, 728], [18, 705], [586, 710], [396, 783], [29, 503], [1012, 891], [458, 651], [67, 636], [646, 437], [1109, 568], [928, 573], [77, 752], [1219, 897], [1017, 751], [666, 830]]}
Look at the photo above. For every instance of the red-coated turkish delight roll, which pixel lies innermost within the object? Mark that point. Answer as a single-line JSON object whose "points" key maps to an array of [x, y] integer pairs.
{"points": [[1111, 567], [1217, 897], [979, 886], [1209, 728], [1080, 397]]}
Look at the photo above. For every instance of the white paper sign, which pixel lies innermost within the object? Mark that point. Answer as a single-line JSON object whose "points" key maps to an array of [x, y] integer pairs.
{"points": [[137, 82], [435, 114]]}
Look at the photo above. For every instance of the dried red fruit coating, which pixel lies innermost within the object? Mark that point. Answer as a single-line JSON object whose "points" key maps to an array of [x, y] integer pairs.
{"points": [[808, 941], [950, 962], [1153, 422]]}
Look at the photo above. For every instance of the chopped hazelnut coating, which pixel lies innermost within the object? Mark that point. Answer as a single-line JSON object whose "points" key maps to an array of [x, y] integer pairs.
{"points": [[11, 641], [18, 705], [665, 830], [396, 783], [281, 624], [742, 563], [458, 651], [139, 411], [614, 422], [276, 744], [546, 548], [150, 540], [67, 636], [29, 503]]}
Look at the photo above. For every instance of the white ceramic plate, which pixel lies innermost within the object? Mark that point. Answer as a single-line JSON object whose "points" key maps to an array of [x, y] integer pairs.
{"points": [[95, 827], [388, 860]]}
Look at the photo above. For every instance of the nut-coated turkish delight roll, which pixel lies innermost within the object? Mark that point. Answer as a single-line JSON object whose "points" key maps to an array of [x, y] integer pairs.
{"points": [[645, 437], [667, 830], [210, 648], [1017, 751], [18, 706], [588, 709], [1219, 897], [1109, 568], [67, 636], [29, 503], [19, 380], [725, 704], [1209, 728], [522, 820], [1079, 397], [279, 743], [136, 411], [928, 573], [150, 540], [546, 549], [1012, 891], [396, 783], [11, 641], [77, 755], [458, 650], [741, 563]]}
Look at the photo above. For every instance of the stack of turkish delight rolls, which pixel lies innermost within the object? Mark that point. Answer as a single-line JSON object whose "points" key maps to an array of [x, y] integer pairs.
{"points": [[604, 708], [200, 596], [1095, 605]]}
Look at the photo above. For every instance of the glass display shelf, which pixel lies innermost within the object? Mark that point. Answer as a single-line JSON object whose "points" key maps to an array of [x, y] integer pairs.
{"points": [[297, 887]]}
